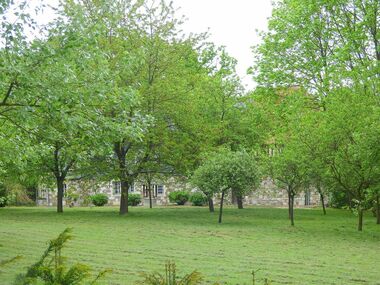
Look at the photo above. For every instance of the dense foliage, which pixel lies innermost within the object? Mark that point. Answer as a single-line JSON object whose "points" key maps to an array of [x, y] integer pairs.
{"points": [[115, 90], [329, 137]]}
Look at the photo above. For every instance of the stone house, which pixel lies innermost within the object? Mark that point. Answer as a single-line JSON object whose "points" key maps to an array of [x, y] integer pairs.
{"points": [[266, 195]]}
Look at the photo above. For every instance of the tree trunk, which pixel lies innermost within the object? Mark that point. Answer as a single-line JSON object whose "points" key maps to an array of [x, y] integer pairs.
{"points": [[378, 208], [150, 196], [291, 208], [360, 224], [233, 198], [60, 188], [124, 196], [323, 203], [210, 204], [121, 153], [221, 208], [239, 199], [349, 201]]}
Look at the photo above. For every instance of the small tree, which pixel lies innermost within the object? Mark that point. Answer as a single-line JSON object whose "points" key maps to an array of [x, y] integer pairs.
{"points": [[227, 171], [289, 172]]}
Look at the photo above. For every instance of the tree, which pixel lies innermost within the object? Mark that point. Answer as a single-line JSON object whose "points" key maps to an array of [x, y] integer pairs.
{"points": [[282, 154], [204, 178], [161, 71], [349, 140], [72, 81], [330, 49], [227, 171], [289, 172], [17, 80], [320, 45]]}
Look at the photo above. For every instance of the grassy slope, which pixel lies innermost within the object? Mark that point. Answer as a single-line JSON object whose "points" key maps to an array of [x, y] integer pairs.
{"points": [[319, 250]]}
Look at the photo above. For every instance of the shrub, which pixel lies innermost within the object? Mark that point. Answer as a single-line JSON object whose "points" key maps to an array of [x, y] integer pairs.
{"points": [[3, 202], [179, 197], [134, 199], [99, 199], [3, 196], [17, 195], [198, 199]]}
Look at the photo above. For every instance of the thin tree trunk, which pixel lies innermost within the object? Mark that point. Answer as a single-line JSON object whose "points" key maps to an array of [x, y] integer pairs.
{"points": [[239, 199], [121, 153], [210, 204], [360, 223], [289, 206], [323, 202], [150, 196], [292, 210], [124, 196], [60, 194], [221, 208], [378, 208], [349, 201]]}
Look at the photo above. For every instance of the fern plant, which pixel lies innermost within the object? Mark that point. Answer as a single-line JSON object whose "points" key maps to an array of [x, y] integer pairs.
{"points": [[171, 278], [51, 268], [195, 278]]}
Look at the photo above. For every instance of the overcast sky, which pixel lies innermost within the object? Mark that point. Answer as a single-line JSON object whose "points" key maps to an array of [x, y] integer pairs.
{"points": [[232, 23]]}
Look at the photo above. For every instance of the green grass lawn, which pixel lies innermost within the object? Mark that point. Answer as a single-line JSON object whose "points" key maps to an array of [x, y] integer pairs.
{"points": [[318, 250]]}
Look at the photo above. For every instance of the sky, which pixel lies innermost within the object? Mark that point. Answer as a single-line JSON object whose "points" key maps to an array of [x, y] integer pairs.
{"points": [[231, 23]]}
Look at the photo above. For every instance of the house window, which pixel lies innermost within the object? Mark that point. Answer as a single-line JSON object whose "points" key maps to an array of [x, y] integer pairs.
{"points": [[157, 190], [145, 191], [160, 190], [116, 188], [43, 193]]}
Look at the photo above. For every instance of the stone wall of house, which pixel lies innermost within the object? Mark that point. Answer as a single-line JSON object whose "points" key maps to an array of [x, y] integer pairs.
{"points": [[268, 194]]}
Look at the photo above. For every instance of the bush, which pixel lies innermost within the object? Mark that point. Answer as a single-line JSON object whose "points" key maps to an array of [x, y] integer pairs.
{"points": [[198, 199], [99, 199], [17, 195], [3, 196], [3, 202], [179, 197], [134, 199]]}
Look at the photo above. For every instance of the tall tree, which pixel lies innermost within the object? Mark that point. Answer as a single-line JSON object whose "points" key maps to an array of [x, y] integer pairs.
{"points": [[149, 57]]}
